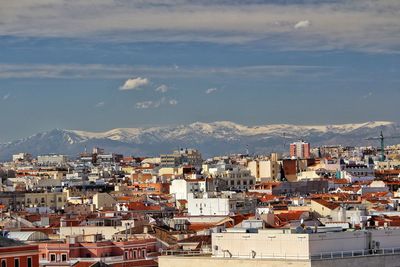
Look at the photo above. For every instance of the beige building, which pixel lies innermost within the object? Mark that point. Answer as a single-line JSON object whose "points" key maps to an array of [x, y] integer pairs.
{"points": [[264, 169], [282, 247], [52, 200]]}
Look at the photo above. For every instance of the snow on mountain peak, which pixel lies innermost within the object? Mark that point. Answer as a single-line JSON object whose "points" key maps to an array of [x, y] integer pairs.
{"points": [[223, 129]]}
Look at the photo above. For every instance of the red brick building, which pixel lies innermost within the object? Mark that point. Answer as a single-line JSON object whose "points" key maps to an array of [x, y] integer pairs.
{"points": [[109, 252], [17, 254]]}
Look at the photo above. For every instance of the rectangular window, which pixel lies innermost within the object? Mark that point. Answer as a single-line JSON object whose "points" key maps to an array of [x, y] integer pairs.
{"points": [[52, 257], [63, 257], [16, 262], [29, 262], [143, 253]]}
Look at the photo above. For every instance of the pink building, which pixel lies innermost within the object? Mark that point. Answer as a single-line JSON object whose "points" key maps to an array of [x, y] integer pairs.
{"points": [[300, 150], [110, 252]]}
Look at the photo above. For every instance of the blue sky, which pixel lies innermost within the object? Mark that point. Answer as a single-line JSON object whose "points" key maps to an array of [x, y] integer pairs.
{"points": [[102, 64]]}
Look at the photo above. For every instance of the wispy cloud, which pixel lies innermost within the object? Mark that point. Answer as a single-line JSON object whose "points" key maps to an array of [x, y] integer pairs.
{"points": [[211, 90], [354, 24], [173, 102], [134, 83], [144, 104], [368, 95], [162, 88], [302, 24], [99, 71], [100, 104], [156, 103], [6, 96]]}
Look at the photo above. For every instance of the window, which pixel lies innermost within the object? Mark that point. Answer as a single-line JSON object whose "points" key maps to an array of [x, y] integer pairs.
{"points": [[16, 262], [3, 263], [52, 257], [29, 262], [144, 253], [134, 254], [63, 257]]}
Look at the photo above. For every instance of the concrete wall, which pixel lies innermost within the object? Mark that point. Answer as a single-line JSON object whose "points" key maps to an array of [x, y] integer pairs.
{"points": [[337, 241], [369, 261], [170, 261], [265, 243], [269, 243]]}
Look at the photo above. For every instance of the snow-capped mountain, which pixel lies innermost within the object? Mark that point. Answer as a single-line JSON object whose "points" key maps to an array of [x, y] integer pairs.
{"points": [[211, 138]]}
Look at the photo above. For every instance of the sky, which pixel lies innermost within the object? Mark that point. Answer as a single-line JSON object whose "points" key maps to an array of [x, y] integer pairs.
{"points": [[102, 64]]}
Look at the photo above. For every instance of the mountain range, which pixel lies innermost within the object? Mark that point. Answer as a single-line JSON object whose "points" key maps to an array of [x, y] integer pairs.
{"points": [[216, 138]]}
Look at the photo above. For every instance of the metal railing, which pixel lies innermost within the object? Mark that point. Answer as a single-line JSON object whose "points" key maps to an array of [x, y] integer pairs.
{"points": [[185, 253], [318, 256], [262, 256], [355, 253]]}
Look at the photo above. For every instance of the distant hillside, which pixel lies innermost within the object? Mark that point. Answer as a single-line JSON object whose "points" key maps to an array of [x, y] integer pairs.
{"points": [[211, 138]]}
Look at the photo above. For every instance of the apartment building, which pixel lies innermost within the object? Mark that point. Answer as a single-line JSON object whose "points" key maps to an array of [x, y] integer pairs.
{"points": [[51, 200]]}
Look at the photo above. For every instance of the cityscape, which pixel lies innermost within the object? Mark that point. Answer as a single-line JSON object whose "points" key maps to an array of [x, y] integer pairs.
{"points": [[175, 133]]}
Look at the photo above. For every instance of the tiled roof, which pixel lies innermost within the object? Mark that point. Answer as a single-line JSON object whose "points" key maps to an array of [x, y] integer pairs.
{"points": [[327, 204]]}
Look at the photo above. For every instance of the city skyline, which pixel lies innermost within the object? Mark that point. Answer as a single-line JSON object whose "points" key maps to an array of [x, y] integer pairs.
{"points": [[99, 65]]}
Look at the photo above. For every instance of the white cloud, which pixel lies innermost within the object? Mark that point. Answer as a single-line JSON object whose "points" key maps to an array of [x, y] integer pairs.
{"points": [[6, 96], [370, 94], [302, 24], [100, 104], [162, 88], [134, 83], [211, 90], [144, 105], [173, 102], [156, 103]]}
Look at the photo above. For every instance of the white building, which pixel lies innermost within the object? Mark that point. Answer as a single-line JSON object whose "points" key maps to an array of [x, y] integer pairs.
{"points": [[287, 243], [234, 178], [52, 159], [180, 188], [219, 204], [22, 157]]}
